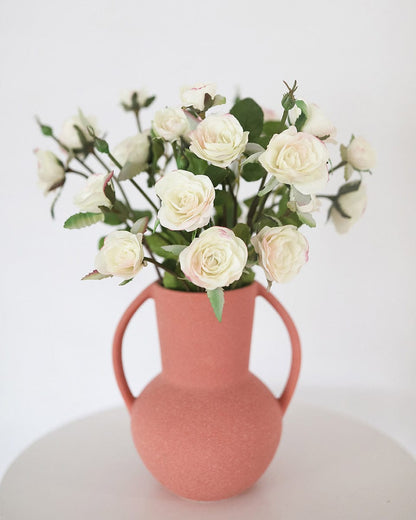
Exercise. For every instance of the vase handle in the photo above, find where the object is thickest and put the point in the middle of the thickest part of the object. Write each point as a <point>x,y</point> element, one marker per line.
<point>118,345</point>
<point>287,393</point>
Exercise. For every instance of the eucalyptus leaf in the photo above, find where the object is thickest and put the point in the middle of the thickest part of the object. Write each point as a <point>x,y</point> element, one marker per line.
<point>216,297</point>
<point>81,220</point>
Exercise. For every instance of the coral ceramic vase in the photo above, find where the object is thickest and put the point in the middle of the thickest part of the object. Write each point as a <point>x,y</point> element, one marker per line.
<point>206,427</point>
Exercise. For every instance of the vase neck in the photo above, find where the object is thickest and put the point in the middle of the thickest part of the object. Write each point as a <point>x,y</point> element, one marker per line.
<point>196,349</point>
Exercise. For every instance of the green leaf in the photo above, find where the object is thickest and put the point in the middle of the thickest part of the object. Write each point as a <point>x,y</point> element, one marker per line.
<point>196,165</point>
<point>216,174</point>
<point>101,145</point>
<point>307,218</point>
<point>174,249</point>
<point>141,213</point>
<point>349,187</point>
<point>128,171</point>
<point>95,275</point>
<point>224,205</point>
<point>81,220</point>
<point>157,149</point>
<point>273,127</point>
<point>216,297</point>
<point>301,120</point>
<point>112,219</point>
<point>100,242</point>
<point>242,231</point>
<point>140,225</point>
<point>124,282</point>
<point>149,101</point>
<point>270,185</point>
<point>46,130</point>
<point>250,115</point>
<point>253,172</point>
<point>246,279</point>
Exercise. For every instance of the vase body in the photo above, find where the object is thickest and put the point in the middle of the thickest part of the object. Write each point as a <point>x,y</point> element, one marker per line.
<point>205,427</point>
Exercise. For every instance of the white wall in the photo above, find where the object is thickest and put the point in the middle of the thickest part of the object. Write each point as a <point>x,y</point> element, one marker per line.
<point>354,302</point>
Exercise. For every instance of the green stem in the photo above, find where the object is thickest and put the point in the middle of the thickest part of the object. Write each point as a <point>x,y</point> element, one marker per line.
<point>161,266</point>
<point>61,144</point>
<point>339,165</point>
<point>253,205</point>
<point>137,116</point>
<point>146,245</point>
<point>235,203</point>
<point>123,193</point>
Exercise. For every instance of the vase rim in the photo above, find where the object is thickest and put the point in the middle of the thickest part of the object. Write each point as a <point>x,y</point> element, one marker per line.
<point>160,287</point>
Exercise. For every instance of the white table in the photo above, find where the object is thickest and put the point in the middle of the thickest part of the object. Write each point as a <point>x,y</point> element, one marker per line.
<point>328,466</point>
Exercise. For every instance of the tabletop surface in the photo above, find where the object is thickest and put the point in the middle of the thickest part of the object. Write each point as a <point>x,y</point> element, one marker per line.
<point>328,466</point>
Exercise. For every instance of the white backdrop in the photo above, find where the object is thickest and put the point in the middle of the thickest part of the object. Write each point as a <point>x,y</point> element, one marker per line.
<point>353,302</point>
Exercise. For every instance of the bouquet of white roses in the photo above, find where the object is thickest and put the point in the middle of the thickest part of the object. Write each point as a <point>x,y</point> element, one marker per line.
<point>188,169</point>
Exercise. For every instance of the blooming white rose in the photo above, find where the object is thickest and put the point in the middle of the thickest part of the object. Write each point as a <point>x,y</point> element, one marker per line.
<point>352,204</point>
<point>360,154</point>
<point>219,139</point>
<point>171,123</point>
<point>215,259</point>
<point>316,122</point>
<point>127,96</point>
<point>297,158</point>
<point>195,96</point>
<point>121,255</point>
<point>282,251</point>
<point>69,135</point>
<point>92,195</point>
<point>51,173</point>
<point>134,150</point>
<point>187,200</point>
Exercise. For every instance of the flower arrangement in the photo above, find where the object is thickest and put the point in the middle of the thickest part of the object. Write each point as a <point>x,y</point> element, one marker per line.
<point>196,231</point>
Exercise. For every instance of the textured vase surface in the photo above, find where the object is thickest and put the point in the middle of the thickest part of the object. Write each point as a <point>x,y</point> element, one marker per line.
<point>206,427</point>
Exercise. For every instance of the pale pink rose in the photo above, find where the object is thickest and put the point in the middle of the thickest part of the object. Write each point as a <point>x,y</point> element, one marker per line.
<point>215,259</point>
<point>121,255</point>
<point>282,251</point>
<point>187,200</point>
<point>297,158</point>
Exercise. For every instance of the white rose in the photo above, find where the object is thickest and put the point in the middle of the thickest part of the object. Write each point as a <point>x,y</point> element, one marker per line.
<point>360,154</point>
<point>171,123</point>
<point>135,150</point>
<point>121,255</point>
<point>92,195</point>
<point>297,158</point>
<point>187,200</point>
<point>282,252</point>
<point>69,135</point>
<point>219,139</point>
<point>126,97</point>
<point>215,259</point>
<point>316,122</point>
<point>195,96</point>
<point>352,204</point>
<point>51,173</point>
